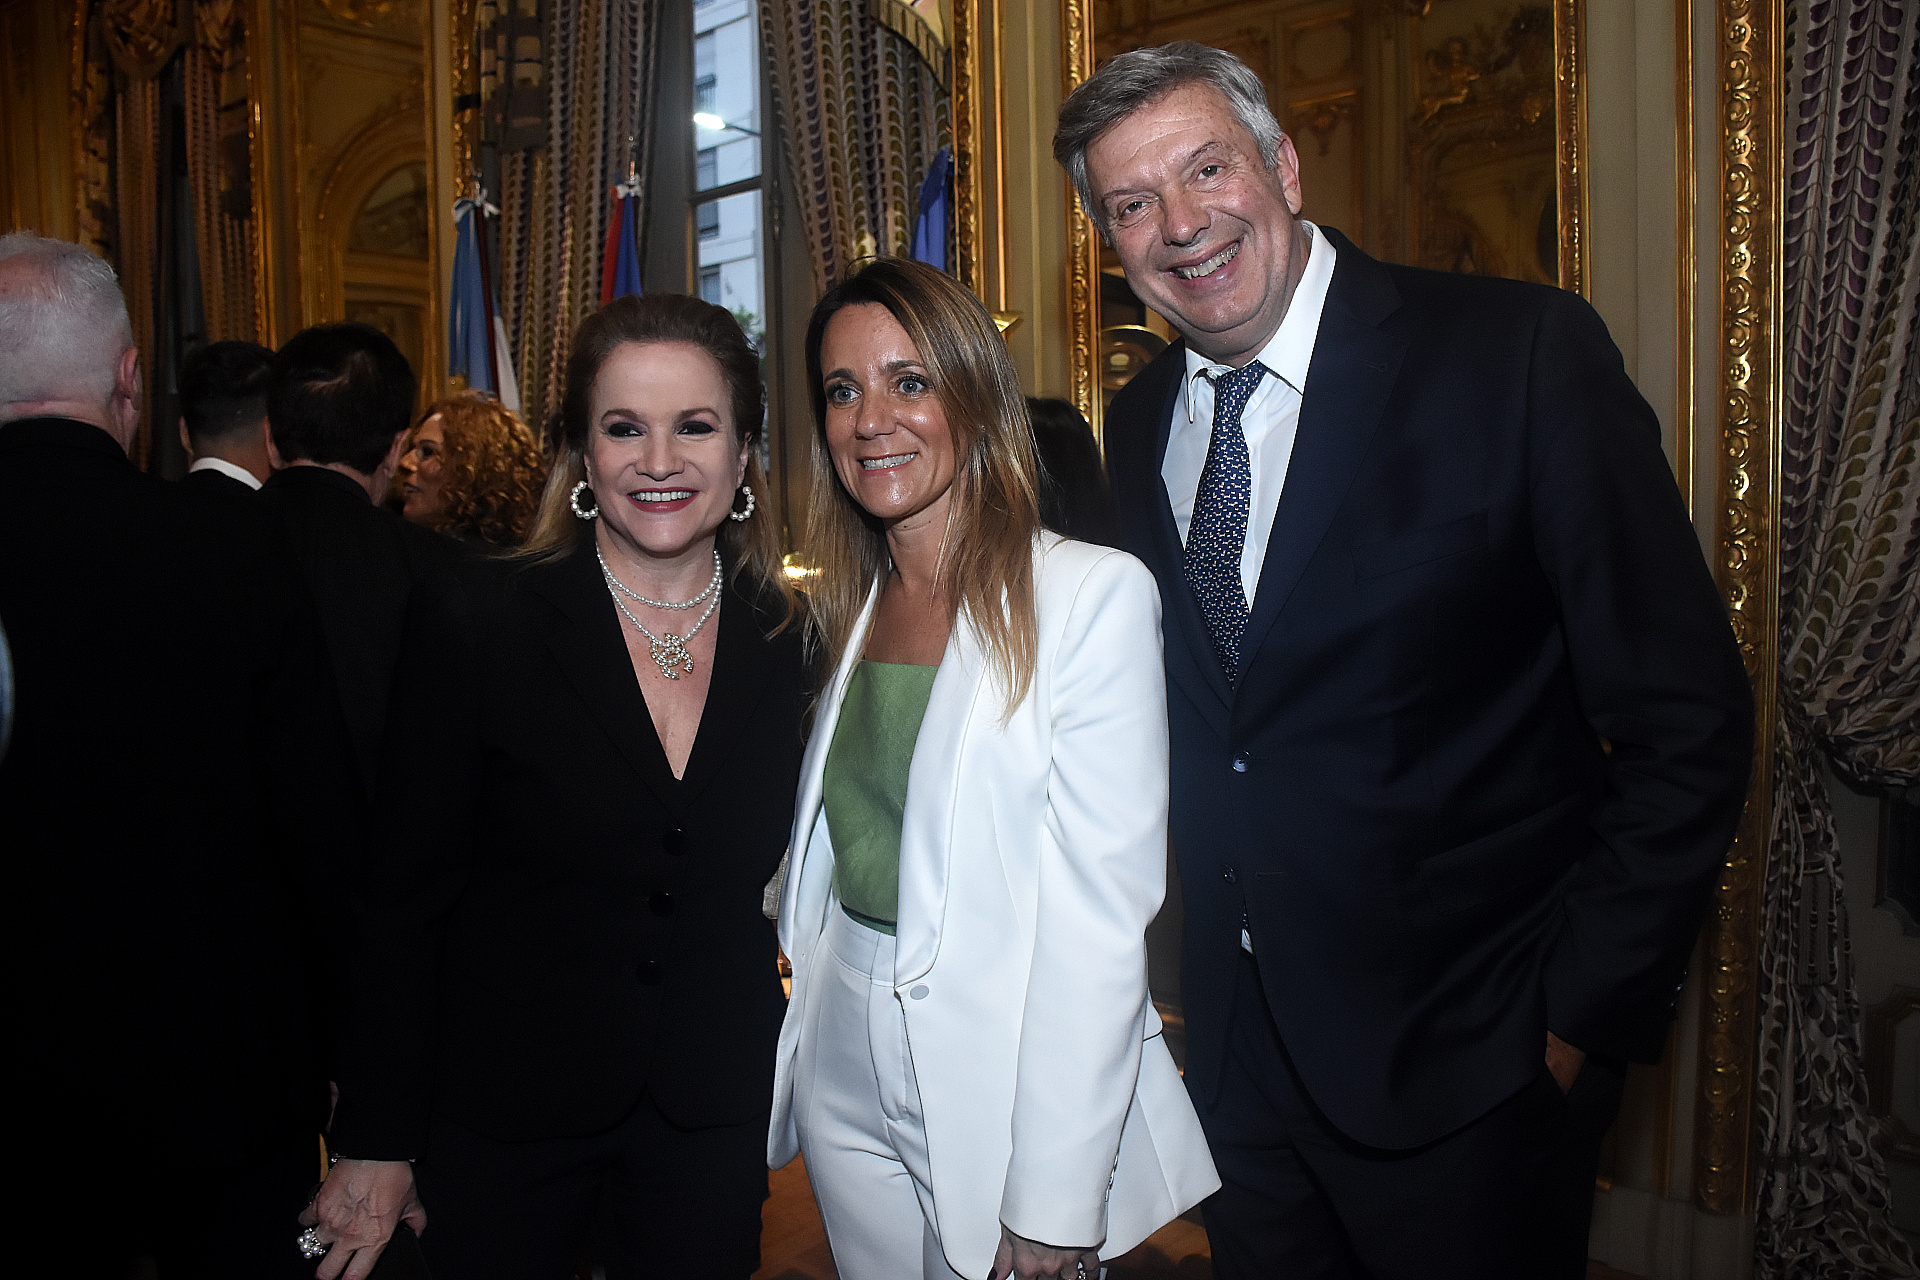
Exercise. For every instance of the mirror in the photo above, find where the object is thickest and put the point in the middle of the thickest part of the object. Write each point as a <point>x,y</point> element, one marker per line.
<point>1441,133</point>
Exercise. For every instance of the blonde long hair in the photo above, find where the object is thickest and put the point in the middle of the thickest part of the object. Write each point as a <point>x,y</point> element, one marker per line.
<point>986,556</point>
<point>750,547</point>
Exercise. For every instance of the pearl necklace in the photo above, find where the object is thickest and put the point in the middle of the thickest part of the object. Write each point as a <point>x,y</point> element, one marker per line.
<point>713,585</point>
<point>669,650</point>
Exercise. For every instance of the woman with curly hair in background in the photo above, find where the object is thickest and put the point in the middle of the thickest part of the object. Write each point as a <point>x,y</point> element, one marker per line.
<point>472,470</point>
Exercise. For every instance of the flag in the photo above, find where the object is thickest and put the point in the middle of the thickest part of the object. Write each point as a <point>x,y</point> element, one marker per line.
<point>620,263</point>
<point>477,348</point>
<point>931,231</point>
<point>469,315</point>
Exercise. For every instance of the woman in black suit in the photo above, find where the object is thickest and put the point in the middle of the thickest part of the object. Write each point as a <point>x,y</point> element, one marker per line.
<point>564,998</point>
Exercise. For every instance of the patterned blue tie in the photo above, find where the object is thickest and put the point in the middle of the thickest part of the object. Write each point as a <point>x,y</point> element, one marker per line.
<point>1218,531</point>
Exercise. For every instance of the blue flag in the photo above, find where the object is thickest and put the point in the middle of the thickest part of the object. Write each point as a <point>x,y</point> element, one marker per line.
<point>931,231</point>
<point>469,317</point>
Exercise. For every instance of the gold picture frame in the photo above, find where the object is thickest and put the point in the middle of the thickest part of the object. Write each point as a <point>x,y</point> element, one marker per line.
<point>1748,69</point>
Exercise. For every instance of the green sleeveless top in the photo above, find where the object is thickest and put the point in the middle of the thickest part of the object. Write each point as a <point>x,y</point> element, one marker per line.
<point>864,788</point>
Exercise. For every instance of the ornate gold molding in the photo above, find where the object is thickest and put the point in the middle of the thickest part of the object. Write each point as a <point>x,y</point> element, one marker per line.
<point>1570,140</point>
<point>1686,186</point>
<point>389,142</point>
<point>86,116</point>
<point>273,125</point>
<point>1747,569</point>
<point>466,85</point>
<point>966,145</point>
<point>1083,242</point>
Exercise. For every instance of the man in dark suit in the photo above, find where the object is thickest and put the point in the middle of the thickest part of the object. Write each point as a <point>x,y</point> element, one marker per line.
<point>339,402</point>
<point>162,812</point>
<point>1460,733</point>
<point>223,417</point>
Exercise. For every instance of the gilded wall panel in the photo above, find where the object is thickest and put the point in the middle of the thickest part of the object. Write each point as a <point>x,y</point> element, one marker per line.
<point>355,112</point>
<point>1319,48</point>
<point>1427,131</point>
<point>36,154</point>
<point>398,20</point>
<point>1326,137</point>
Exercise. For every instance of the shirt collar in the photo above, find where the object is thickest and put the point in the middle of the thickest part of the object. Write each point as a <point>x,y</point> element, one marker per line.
<point>227,469</point>
<point>1289,353</point>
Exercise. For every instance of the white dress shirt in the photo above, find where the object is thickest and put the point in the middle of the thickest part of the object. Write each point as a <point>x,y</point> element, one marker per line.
<point>1271,418</point>
<point>252,481</point>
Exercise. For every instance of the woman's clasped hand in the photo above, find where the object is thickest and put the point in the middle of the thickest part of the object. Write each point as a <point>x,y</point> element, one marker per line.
<point>369,1201</point>
<point>1019,1258</point>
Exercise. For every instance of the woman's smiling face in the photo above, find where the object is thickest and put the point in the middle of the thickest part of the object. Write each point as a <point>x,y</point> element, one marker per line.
<point>663,455</point>
<point>886,429</point>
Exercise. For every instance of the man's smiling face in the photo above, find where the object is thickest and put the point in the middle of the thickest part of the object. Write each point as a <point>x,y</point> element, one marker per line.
<point>1210,236</point>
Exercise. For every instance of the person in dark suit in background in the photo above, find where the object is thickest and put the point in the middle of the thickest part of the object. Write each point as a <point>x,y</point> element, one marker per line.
<point>223,417</point>
<point>1074,497</point>
<point>339,402</point>
<point>164,804</point>
<point>564,999</point>
<point>1460,733</point>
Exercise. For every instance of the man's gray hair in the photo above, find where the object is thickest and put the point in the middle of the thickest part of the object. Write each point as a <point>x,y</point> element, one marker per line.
<point>63,322</point>
<point>1143,76</point>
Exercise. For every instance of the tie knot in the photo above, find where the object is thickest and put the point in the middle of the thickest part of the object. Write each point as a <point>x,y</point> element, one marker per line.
<point>1236,387</point>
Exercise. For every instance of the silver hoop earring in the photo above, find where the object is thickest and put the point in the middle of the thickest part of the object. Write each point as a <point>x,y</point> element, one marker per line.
<point>574,502</point>
<point>742,515</point>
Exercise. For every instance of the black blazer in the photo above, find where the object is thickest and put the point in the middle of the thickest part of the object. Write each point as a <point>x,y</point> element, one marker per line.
<point>554,922</point>
<point>363,566</point>
<point>170,790</point>
<point>1491,733</point>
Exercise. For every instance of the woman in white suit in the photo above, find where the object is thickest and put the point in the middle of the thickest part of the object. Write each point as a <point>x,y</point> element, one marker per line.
<point>970,1063</point>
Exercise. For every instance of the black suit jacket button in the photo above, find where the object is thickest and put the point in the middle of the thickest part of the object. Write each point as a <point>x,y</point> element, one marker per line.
<point>1239,764</point>
<point>1229,877</point>
<point>648,972</point>
<point>661,903</point>
<point>674,839</point>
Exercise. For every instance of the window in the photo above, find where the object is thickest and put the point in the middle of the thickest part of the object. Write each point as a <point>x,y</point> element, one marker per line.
<point>710,231</point>
<point>731,234</point>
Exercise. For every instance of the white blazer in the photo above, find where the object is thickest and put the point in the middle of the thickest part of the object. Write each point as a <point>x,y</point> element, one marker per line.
<point>1032,858</point>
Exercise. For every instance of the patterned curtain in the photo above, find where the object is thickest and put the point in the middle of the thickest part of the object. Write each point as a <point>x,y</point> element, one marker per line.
<point>597,61</point>
<point>128,44</point>
<point>1849,680</point>
<point>865,111</point>
<point>219,168</point>
<point>124,48</point>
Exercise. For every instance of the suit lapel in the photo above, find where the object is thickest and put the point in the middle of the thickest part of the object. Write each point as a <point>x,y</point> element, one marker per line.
<point>1199,675</point>
<point>933,792</point>
<point>732,693</point>
<point>583,635</point>
<point>1355,363</point>
<point>933,785</point>
<point>803,898</point>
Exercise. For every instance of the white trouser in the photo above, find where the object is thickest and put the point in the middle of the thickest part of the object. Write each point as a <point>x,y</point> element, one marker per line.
<point>857,1109</point>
